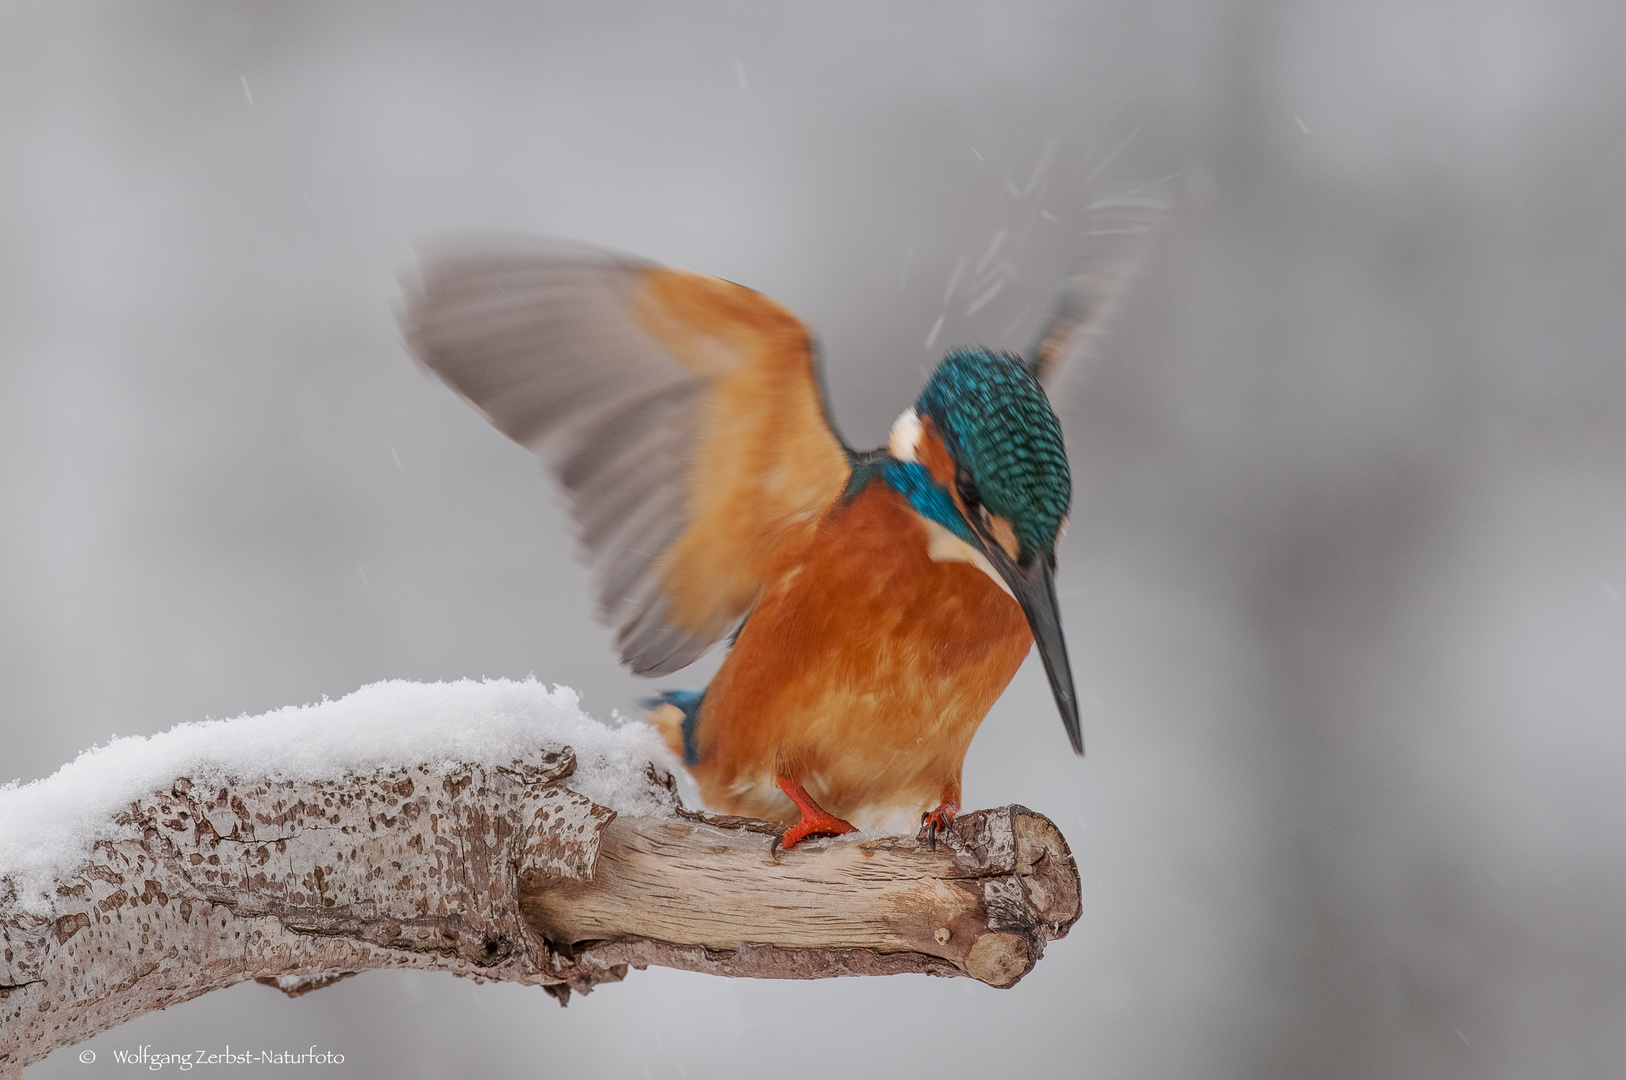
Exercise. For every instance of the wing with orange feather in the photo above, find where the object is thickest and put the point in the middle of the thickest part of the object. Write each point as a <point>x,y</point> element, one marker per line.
<point>683,415</point>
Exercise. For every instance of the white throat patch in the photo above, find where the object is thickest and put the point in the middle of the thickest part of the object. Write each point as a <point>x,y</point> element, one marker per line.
<point>905,436</point>
<point>944,546</point>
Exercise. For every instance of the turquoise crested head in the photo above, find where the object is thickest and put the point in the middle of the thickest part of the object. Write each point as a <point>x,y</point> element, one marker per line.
<point>997,424</point>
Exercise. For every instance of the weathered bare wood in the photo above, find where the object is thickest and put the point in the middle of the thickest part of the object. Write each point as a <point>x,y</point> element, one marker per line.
<point>500,873</point>
<point>695,895</point>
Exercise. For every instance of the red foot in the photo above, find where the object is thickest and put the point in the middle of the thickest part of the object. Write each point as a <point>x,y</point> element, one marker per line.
<point>823,825</point>
<point>815,821</point>
<point>939,820</point>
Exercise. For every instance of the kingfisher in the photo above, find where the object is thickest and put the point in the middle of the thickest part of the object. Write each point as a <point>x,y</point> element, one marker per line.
<point>876,603</point>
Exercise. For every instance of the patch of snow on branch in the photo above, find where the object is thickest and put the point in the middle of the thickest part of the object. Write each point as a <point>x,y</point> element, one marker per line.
<point>47,827</point>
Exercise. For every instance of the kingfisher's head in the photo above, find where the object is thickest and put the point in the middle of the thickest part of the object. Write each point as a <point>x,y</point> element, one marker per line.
<point>981,455</point>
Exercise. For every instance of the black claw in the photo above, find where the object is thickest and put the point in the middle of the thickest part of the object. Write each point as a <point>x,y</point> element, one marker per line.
<point>773,848</point>
<point>931,835</point>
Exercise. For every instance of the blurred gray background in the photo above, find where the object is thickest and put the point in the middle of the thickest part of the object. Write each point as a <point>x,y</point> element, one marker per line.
<point>1344,581</point>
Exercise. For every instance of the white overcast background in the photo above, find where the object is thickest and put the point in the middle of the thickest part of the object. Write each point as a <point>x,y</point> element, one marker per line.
<point>1345,587</point>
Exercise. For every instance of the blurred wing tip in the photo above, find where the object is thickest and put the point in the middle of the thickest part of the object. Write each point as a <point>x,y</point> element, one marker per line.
<point>495,243</point>
<point>448,267</point>
<point>1118,236</point>
<point>671,651</point>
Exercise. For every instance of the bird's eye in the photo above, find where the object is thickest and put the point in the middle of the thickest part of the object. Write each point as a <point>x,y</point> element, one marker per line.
<point>967,490</point>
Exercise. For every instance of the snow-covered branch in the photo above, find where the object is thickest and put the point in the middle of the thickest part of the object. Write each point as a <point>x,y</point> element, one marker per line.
<point>486,829</point>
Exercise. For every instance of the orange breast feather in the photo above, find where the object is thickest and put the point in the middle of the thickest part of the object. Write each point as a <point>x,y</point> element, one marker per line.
<point>864,671</point>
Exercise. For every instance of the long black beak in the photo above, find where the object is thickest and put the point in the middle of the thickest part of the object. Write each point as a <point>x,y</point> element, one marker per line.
<point>1035,590</point>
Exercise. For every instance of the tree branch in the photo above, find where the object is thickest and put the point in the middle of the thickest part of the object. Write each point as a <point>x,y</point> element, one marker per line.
<point>502,873</point>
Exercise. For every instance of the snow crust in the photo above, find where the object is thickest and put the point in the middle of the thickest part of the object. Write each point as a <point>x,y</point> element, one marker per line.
<point>47,827</point>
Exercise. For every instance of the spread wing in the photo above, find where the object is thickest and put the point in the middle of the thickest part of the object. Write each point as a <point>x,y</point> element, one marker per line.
<point>1118,236</point>
<point>683,415</point>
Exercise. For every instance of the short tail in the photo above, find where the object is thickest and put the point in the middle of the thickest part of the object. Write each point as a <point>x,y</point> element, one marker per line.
<point>676,715</point>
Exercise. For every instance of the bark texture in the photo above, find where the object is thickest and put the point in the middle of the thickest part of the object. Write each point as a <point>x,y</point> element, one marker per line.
<point>501,873</point>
